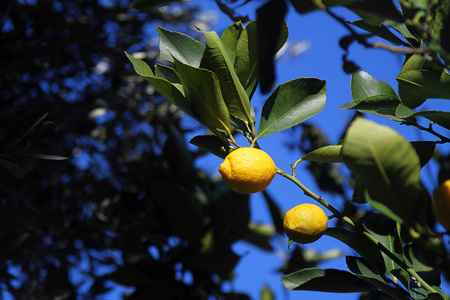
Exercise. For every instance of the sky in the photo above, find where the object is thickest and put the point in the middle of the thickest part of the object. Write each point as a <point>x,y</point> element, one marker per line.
<point>322,58</point>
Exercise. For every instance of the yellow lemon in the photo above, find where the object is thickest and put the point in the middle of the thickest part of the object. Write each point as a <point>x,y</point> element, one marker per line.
<point>305,223</point>
<point>248,170</point>
<point>441,204</point>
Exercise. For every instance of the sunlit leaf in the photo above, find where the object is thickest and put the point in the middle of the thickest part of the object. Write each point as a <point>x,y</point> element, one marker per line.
<point>328,154</point>
<point>177,45</point>
<point>246,64</point>
<point>290,104</point>
<point>420,79</point>
<point>387,165</point>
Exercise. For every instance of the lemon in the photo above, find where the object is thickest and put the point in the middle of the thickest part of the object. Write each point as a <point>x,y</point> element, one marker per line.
<point>248,170</point>
<point>441,204</point>
<point>305,223</point>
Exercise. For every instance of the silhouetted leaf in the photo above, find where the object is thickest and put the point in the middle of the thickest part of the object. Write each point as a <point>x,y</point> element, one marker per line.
<point>326,280</point>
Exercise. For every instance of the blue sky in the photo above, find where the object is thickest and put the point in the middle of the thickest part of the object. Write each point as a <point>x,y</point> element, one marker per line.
<point>323,59</point>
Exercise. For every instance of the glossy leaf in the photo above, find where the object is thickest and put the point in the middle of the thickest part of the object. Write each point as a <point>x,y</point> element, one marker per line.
<point>361,244</point>
<point>326,280</point>
<point>174,93</point>
<point>361,268</point>
<point>202,89</point>
<point>177,45</point>
<point>420,80</point>
<point>441,118</point>
<point>217,60</point>
<point>386,232</point>
<point>290,104</point>
<point>387,165</point>
<point>369,93</point>
<point>327,154</point>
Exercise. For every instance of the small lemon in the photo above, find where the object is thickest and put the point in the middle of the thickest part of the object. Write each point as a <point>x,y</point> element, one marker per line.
<point>248,170</point>
<point>441,204</point>
<point>305,223</point>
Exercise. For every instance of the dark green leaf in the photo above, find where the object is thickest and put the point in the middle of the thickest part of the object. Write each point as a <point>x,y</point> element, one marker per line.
<point>174,93</point>
<point>203,90</point>
<point>180,46</point>
<point>441,118</point>
<point>375,12</point>
<point>290,104</point>
<point>217,60</point>
<point>387,165</point>
<point>386,232</point>
<point>420,79</point>
<point>326,280</point>
<point>380,30</point>
<point>212,144</point>
<point>246,63</point>
<point>361,268</point>
<point>361,244</point>
<point>365,86</point>
<point>230,38</point>
<point>425,151</point>
<point>327,154</point>
<point>167,73</point>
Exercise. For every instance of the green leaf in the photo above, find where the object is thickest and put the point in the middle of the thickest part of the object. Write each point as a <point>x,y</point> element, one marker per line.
<point>172,92</point>
<point>387,165</point>
<point>374,12</point>
<point>217,60</point>
<point>212,144</point>
<point>401,28</point>
<point>326,280</point>
<point>246,64</point>
<point>386,232</point>
<point>367,92</point>
<point>441,118</point>
<point>203,91</point>
<point>230,38</point>
<point>425,151</point>
<point>167,73</point>
<point>380,30</point>
<point>290,104</point>
<point>361,268</point>
<point>420,79</point>
<point>177,45</point>
<point>327,154</point>
<point>361,244</point>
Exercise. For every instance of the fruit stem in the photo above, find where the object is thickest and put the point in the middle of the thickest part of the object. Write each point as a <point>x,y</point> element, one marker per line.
<point>347,220</point>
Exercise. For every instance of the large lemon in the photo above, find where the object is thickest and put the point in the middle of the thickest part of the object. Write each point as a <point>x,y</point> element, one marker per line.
<point>248,170</point>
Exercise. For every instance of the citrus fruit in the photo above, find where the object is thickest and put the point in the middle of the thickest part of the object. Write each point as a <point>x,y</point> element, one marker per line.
<point>441,204</point>
<point>305,223</point>
<point>248,170</point>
